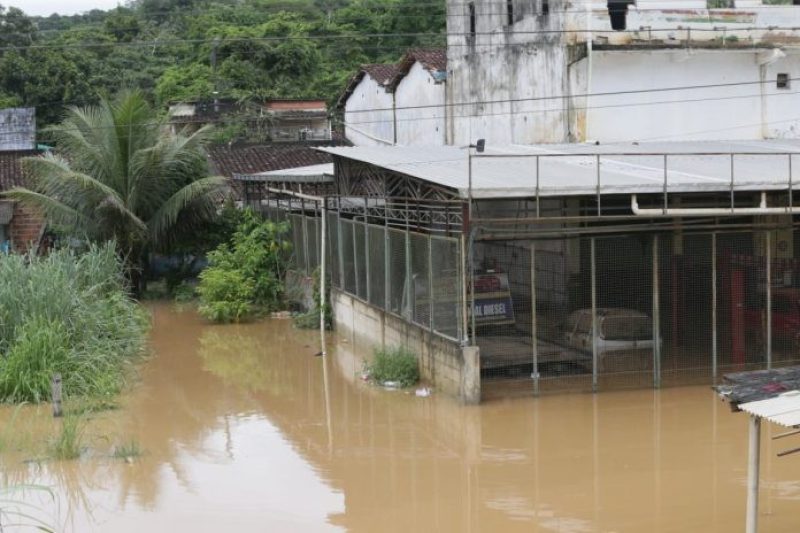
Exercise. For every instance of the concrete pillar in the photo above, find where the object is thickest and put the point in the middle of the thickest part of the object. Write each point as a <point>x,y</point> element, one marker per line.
<point>471,375</point>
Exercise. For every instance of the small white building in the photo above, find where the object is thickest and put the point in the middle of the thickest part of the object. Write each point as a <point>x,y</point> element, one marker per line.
<point>534,71</point>
<point>368,106</point>
<point>420,92</point>
<point>402,104</point>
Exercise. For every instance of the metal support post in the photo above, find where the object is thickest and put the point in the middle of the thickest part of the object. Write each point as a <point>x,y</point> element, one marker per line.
<point>597,162</point>
<point>656,319</point>
<point>356,259</point>
<point>322,272</point>
<point>714,356</point>
<point>387,280</point>
<point>409,285</point>
<point>753,463</point>
<point>305,235</point>
<point>340,244</point>
<point>430,282</point>
<point>367,261</point>
<point>768,335</point>
<point>534,335</point>
<point>463,278</point>
<point>593,259</point>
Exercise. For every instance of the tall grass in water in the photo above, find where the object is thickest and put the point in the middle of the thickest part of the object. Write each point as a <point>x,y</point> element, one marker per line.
<point>67,313</point>
<point>68,444</point>
<point>17,514</point>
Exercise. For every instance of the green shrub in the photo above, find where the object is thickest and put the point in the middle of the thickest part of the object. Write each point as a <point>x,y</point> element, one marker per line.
<point>246,276</point>
<point>226,295</point>
<point>184,292</point>
<point>66,313</point>
<point>394,364</point>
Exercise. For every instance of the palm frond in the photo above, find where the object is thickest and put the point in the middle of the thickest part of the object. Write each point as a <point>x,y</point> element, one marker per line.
<point>204,195</point>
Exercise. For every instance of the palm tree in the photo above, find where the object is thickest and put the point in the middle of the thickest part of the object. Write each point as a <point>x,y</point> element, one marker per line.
<point>121,175</point>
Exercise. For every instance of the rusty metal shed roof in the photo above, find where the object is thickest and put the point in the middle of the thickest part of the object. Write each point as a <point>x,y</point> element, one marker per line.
<point>572,169</point>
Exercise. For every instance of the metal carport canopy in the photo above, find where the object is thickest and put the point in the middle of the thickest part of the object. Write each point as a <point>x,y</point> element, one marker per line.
<point>510,171</point>
<point>322,173</point>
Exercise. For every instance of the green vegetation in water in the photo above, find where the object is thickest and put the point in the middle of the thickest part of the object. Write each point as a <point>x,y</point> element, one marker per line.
<point>68,444</point>
<point>127,450</point>
<point>310,319</point>
<point>246,276</point>
<point>395,364</point>
<point>20,515</point>
<point>66,313</point>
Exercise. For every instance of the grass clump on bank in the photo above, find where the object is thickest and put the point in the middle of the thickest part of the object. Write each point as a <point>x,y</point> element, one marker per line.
<point>66,313</point>
<point>396,365</point>
<point>245,276</point>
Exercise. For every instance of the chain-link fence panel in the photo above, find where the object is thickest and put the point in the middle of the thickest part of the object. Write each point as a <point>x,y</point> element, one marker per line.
<point>420,280</point>
<point>348,255</point>
<point>398,280</point>
<point>313,228</point>
<point>742,301</point>
<point>377,265</point>
<point>686,296</point>
<point>332,229</point>
<point>623,343</point>
<point>447,288</point>
<point>298,242</point>
<point>360,247</point>
<point>785,296</point>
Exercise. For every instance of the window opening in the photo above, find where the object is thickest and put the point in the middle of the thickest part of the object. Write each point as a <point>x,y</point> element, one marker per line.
<point>783,80</point>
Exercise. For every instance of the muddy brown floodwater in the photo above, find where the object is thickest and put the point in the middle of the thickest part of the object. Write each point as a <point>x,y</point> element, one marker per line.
<point>242,428</point>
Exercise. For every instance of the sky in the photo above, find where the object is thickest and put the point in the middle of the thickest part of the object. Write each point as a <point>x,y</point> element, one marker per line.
<point>62,7</point>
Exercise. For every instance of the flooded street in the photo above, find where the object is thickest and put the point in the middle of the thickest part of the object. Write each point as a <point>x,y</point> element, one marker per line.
<point>242,428</point>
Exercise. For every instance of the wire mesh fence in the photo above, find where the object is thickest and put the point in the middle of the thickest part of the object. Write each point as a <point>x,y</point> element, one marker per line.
<point>598,313</point>
<point>376,246</point>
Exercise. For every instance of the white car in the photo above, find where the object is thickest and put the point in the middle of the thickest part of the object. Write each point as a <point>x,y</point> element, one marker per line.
<point>624,338</point>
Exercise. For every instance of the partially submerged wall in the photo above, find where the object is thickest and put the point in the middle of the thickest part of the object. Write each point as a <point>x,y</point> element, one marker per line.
<point>451,368</point>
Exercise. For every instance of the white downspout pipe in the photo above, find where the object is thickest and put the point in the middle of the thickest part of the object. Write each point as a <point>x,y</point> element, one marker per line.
<point>753,463</point>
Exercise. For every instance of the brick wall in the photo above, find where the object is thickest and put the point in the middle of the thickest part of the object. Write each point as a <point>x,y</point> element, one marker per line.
<point>25,228</point>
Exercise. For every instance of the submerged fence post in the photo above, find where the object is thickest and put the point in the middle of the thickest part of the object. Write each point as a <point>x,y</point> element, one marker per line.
<point>56,395</point>
<point>339,243</point>
<point>593,259</point>
<point>534,335</point>
<point>768,258</point>
<point>753,464</point>
<point>656,319</point>
<point>367,262</point>
<point>714,361</point>
<point>323,260</point>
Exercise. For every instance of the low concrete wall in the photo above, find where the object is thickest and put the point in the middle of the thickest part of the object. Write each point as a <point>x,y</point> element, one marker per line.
<point>451,368</point>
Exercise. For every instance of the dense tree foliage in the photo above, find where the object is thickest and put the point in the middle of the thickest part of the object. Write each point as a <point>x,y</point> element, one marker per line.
<point>192,49</point>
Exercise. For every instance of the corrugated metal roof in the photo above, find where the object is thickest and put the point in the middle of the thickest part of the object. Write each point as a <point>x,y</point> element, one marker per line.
<point>571,169</point>
<point>783,410</point>
<point>310,174</point>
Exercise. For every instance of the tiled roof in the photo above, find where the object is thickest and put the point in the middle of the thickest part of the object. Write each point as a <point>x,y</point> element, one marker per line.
<point>11,168</point>
<point>382,73</point>
<point>252,158</point>
<point>432,59</point>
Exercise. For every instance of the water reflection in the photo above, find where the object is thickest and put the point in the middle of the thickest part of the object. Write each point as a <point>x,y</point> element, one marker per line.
<point>245,429</point>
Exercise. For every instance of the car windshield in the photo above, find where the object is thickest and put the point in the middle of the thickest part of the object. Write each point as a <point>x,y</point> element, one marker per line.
<point>627,328</point>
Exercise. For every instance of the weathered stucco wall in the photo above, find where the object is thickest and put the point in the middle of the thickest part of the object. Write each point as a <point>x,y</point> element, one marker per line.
<point>511,76</point>
<point>369,115</point>
<point>420,109</point>
<point>451,369</point>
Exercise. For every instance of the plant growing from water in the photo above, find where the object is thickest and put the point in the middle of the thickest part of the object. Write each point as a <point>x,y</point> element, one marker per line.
<point>68,444</point>
<point>21,515</point>
<point>246,276</point>
<point>394,364</point>
<point>127,450</point>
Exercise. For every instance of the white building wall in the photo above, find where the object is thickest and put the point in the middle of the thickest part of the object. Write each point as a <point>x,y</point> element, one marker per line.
<point>368,115</point>
<point>420,109</point>
<point>747,111</point>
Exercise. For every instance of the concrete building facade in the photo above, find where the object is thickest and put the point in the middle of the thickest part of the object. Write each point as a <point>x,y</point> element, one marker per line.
<point>529,72</point>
